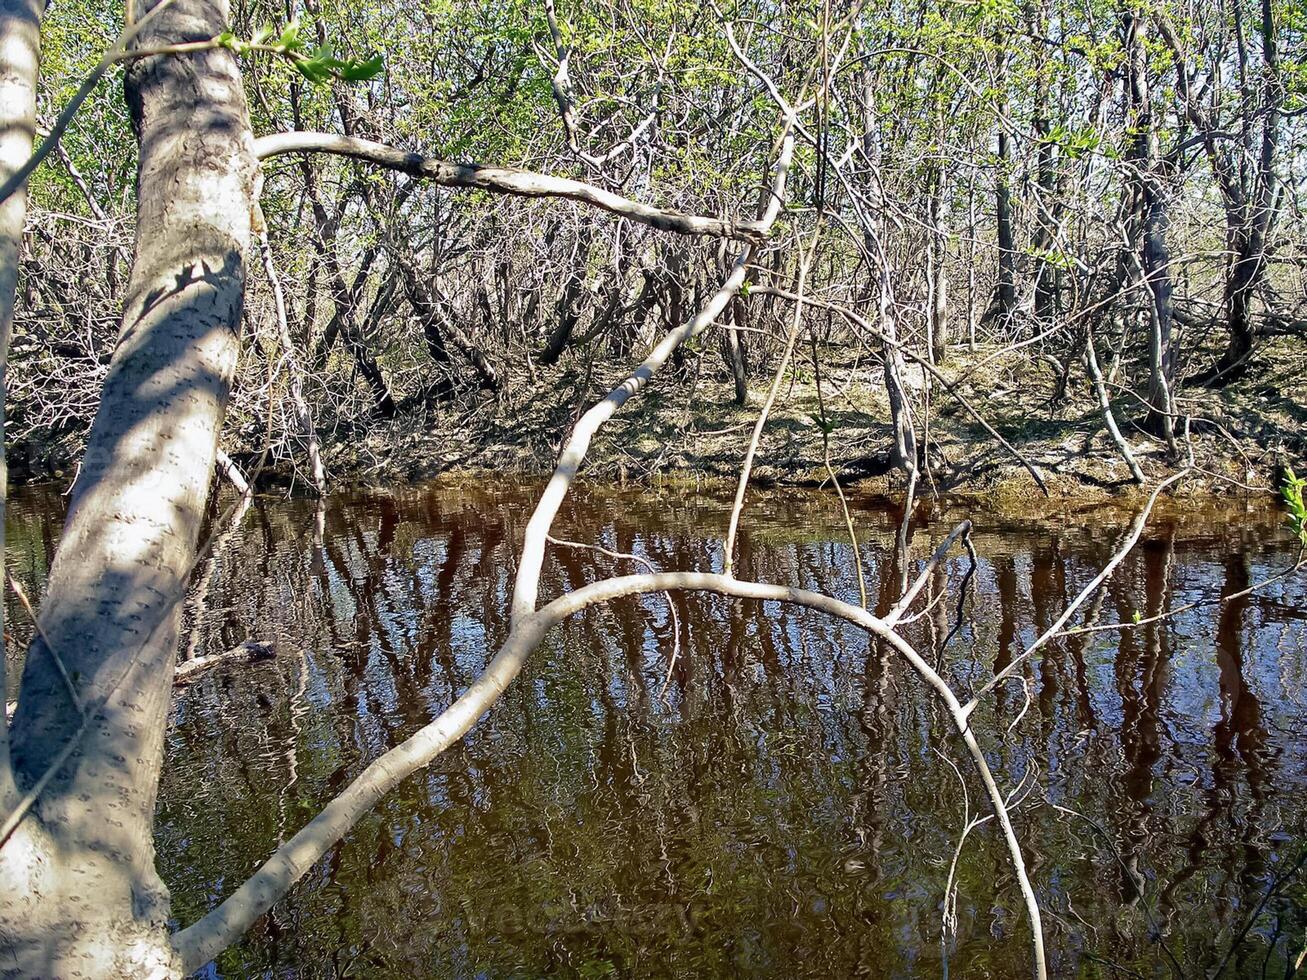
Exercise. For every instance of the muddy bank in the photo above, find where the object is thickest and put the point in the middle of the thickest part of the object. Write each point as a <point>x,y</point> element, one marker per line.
<point>691,430</point>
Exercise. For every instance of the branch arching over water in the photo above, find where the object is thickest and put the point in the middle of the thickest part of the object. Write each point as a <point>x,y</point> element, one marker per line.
<point>527,583</point>
<point>199,943</point>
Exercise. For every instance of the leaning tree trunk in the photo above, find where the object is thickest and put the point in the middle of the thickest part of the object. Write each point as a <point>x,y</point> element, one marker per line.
<point>570,303</point>
<point>79,895</point>
<point>1247,264</point>
<point>439,328</point>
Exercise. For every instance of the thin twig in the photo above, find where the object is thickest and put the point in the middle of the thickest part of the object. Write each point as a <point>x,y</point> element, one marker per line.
<point>746,468</point>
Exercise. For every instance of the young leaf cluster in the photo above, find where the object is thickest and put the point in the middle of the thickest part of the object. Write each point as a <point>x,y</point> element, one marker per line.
<point>319,64</point>
<point>1292,492</point>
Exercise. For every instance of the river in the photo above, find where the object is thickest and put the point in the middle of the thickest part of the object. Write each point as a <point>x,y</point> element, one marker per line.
<point>742,789</point>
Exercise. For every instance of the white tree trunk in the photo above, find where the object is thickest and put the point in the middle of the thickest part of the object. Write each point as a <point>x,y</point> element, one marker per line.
<point>78,891</point>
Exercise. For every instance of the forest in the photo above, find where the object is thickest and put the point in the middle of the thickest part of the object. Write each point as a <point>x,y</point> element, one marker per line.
<point>879,290</point>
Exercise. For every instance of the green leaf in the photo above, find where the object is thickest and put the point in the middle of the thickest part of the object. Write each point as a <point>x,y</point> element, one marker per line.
<point>824,424</point>
<point>1292,492</point>
<point>314,71</point>
<point>363,71</point>
<point>290,37</point>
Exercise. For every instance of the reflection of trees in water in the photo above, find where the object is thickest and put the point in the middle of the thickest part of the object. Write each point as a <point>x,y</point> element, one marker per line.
<point>779,804</point>
<point>1140,681</point>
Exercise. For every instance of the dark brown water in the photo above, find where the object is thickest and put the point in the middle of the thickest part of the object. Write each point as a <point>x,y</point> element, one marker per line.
<point>781,809</point>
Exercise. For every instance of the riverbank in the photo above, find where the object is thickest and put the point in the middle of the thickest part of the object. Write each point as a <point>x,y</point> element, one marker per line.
<point>688,428</point>
<point>1240,437</point>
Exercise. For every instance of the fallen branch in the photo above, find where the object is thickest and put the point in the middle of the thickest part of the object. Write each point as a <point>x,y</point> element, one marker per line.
<point>1105,407</point>
<point>900,607</point>
<point>249,652</point>
<point>231,472</point>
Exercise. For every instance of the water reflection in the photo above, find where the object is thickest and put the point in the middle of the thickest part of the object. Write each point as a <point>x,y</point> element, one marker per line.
<point>768,803</point>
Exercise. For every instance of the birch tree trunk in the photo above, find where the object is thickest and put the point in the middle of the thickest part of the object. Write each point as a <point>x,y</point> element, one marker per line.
<point>79,895</point>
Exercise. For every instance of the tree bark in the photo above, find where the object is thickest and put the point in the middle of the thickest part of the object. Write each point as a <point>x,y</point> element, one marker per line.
<point>20,48</point>
<point>736,355</point>
<point>1154,253</point>
<point>79,894</point>
<point>1006,293</point>
<point>900,410</point>
<point>937,271</point>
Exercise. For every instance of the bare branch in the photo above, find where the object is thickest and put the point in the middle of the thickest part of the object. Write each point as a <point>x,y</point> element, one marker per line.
<point>1104,574</point>
<point>199,943</point>
<point>527,584</point>
<point>506,180</point>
